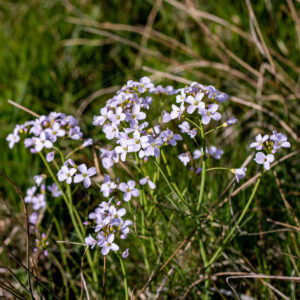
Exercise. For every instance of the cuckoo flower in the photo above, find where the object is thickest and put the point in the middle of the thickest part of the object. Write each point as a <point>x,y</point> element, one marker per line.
<point>85,175</point>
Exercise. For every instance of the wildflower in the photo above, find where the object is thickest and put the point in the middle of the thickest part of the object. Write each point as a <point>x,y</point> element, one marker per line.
<point>125,253</point>
<point>261,158</point>
<point>30,194</point>
<point>75,133</point>
<point>177,111</point>
<point>109,245</point>
<point>215,152</point>
<point>170,138</point>
<point>125,228</point>
<point>210,113</point>
<point>38,179</point>
<point>86,143</point>
<point>185,128</point>
<point>108,186</point>
<point>54,190</point>
<point>90,241</point>
<point>239,173</point>
<point>66,174</point>
<point>50,156</point>
<point>12,138</point>
<point>198,153</point>
<point>280,140</point>
<point>54,132</point>
<point>230,121</point>
<point>129,190</point>
<point>42,142</point>
<point>122,150</point>
<point>85,175</point>
<point>166,117</point>
<point>258,145</point>
<point>184,158</point>
<point>146,180</point>
<point>38,201</point>
<point>153,148</point>
<point>195,103</point>
<point>181,98</point>
<point>33,218</point>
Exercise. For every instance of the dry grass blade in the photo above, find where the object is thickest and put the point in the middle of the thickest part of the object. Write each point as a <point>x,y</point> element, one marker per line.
<point>296,20</point>
<point>147,31</point>
<point>83,282</point>
<point>87,101</point>
<point>23,108</point>
<point>266,111</point>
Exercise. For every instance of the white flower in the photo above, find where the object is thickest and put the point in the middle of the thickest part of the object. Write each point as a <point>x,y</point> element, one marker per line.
<point>146,180</point>
<point>258,145</point>
<point>129,190</point>
<point>261,158</point>
<point>85,175</point>
<point>239,173</point>
<point>66,174</point>
<point>109,245</point>
<point>184,158</point>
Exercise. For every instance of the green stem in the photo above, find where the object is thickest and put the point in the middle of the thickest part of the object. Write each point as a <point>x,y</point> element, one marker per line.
<point>203,171</point>
<point>218,168</point>
<point>231,232</point>
<point>125,277</point>
<point>70,208</point>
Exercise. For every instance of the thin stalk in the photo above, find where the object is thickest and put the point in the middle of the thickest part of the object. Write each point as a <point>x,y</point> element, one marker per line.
<point>218,168</point>
<point>203,171</point>
<point>125,278</point>
<point>231,232</point>
<point>70,208</point>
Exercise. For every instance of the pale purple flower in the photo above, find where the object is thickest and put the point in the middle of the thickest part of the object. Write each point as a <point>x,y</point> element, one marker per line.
<point>54,190</point>
<point>210,113</point>
<point>195,103</point>
<point>170,138</point>
<point>38,201</point>
<point>181,98</point>
<point>90,241</point>
<point>166,117</point>
<point>111,131</point>
<point>66,174</point>
<point>280,140</point>
<point>109,245</point>
<point>108,186</point>
<point>198,153</point>
<point>261,158</point>
<point>117,117</point>
<point>123,149</point>
<point>85,175</point>
<point>12,139</point>
<point>86,143</point>
<point>230,121</point>
<point>50,156</point>
<point>184,158</point>
<point>185,128</point>
<point>177,111</point>
<point>129,190</point>
<point>75,133</point>
<point>239,173</point>
<point>153,148</point>
<point>30,194</point>
<point>125,228</point>
<point>125,253</point>
<point>33,218</point>
<point>146,180</point>
<point>258,145</point>
<point>54,132</point>
<point>38,179</point>
<point>136,115</point>
<point>42,142</point>
<point>214,152</point>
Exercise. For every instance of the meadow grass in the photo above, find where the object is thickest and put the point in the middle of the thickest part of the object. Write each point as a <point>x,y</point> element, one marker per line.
<point>71,57</point>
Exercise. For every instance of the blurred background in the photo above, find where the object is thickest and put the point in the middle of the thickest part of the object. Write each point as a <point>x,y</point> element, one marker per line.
<point>70,56</point>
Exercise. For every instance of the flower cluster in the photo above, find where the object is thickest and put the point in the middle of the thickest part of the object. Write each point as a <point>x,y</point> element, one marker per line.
<point>196,98</point>
<point>41,244</point>
<point>43,132</point>
<point>123,119</point>
<point>110,226</point>
<point>268,146</point>
<point>38,199</point>
<point>71,172</point>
